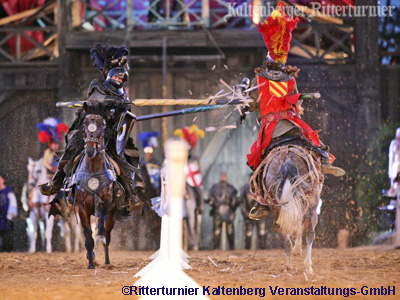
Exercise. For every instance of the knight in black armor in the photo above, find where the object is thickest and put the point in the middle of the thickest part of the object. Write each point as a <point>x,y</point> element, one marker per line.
<point>223,201</point>
<point>110,95</point>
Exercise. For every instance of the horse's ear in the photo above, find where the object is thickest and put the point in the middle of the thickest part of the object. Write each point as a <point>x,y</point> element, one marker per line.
<point>85,106</point>
<point>30,160</point>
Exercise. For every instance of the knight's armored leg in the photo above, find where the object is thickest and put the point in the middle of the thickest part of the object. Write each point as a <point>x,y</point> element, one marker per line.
<point>132,157</point>
<point>55,185</point>
<point>128,176</point>
<point>199,196</point>
<point>131,196</point>
<point>217,230</point>
<point>231,235</point>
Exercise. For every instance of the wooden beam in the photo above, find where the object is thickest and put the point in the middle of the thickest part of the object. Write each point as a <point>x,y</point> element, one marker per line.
<point>229,38</point>
<point>40,52</point>
<point>205,12</point>
<point>76,13</point>
<point>25,14</point>
<point>296,50</point>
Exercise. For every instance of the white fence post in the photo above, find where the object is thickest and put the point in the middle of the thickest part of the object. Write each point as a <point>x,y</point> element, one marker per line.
<point>168,273</point>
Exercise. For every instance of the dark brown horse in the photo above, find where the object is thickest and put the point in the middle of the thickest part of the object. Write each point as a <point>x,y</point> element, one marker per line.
<point>94,180</point>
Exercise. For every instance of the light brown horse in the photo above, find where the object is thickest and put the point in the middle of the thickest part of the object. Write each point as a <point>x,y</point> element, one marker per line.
<point>290,180</point>
<point>94,181</point>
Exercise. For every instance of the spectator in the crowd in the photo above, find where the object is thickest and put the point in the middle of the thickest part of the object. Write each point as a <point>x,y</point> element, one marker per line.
<point>394,163</point>
<point>223,201</point>
<point>8,211</point>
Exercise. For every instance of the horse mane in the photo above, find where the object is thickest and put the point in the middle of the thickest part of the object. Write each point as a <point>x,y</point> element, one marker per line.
<point>94,109</point>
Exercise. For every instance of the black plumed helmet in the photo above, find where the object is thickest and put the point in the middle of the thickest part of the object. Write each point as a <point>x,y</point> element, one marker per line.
<point>104,58</point>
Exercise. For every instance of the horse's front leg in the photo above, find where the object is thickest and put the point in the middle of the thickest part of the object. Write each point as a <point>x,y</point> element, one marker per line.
<point>49,232</point>
<point>67,235</point>
<point>100,219</point>
<point>288,245</point>
<point>87,231</point>
<point>110,221</point>
<point>33,216</point>
<point>312,220</point>
<point>76,228</point>
<point>197,233</point>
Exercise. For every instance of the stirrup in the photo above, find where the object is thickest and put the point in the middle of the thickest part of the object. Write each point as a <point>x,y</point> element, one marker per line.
<point>335,171</point>
<point>259,212</point>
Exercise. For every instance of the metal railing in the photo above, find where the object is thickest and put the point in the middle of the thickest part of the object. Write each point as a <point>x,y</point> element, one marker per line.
<point>32,37</point>
<point>95,15</point>
<point>312,40</point>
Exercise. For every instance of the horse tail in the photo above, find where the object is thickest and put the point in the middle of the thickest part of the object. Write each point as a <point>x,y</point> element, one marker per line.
<point>292,199</point>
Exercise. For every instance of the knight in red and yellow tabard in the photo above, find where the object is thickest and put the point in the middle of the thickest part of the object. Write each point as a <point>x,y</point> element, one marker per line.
<point>277,97</point>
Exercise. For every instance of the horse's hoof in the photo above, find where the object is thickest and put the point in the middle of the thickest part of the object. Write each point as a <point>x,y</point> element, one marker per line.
<point>309,271</point>
<point>90,267</point>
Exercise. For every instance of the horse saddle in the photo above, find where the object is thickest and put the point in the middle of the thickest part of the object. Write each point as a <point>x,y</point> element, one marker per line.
<point>296,138</point>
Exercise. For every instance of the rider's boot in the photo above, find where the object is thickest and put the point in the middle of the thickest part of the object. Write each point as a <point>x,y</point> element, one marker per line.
<point>259,212</point>
<point>327,168</point>
<point>132,201</point>
<point>51,188</point>
<point>326,165</point>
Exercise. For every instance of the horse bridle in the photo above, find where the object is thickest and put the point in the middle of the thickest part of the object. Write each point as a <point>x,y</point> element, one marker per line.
<point>92,129</point>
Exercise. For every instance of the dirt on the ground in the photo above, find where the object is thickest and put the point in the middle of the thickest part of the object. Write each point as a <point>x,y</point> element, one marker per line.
<point>65,276</point>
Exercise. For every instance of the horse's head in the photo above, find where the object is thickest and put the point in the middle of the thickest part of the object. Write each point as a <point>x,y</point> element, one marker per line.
<point>94,128</point>
<point>36,173</point>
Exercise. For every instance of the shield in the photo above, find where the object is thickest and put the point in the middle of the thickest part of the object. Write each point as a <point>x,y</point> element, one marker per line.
<point>278,89</point>
<point>125,125</point>
<point>193,173</point>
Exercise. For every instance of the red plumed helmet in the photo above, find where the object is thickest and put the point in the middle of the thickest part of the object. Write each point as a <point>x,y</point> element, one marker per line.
<point>277,33</point>
<point>190,134</point>
<point>51,130</point>
<point>44,137</point>
<point>62,128</point>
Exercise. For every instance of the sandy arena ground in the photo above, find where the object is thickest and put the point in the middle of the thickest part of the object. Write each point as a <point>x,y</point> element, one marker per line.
<point>63,276</point>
